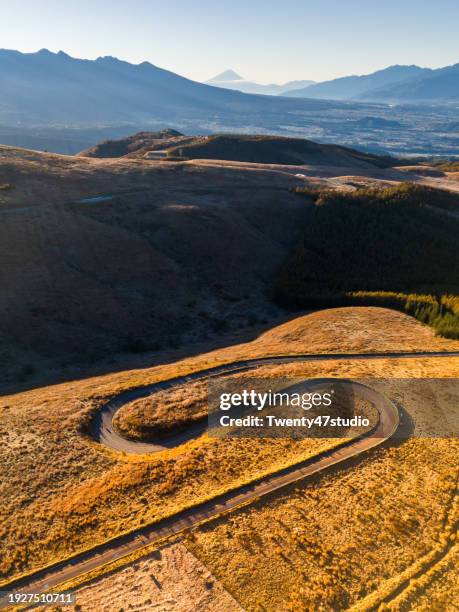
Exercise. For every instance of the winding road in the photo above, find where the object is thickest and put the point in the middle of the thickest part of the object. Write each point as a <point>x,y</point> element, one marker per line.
<point>102,430</point>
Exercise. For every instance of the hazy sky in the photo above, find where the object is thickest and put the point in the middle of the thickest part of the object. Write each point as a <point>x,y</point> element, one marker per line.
<point>263,40</point>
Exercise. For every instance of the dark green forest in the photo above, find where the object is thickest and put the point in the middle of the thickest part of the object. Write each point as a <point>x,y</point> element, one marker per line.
<point>396,247</point>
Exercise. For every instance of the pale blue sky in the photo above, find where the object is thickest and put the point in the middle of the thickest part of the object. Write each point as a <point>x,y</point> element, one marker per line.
<point>264,40</point>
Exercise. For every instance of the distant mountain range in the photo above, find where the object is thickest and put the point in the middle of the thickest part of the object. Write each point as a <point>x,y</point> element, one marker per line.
<point>352,87</point>
<point>231,80</point>
<point>441,85</point>
<point>54,88</point>
<point>395,84</point>
<point>55,102</point>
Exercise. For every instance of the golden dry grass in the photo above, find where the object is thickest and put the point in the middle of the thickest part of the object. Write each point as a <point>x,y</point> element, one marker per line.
<point>437,589</point>
<point>170,411</point>
<point>328,543</point>
<point>62,493</point>
<point>167,412</point>
<point>348,330</point>
<point>170,579</point>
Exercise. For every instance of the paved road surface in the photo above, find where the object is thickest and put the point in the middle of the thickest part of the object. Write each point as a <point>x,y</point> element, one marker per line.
<point>103,431</point>
<point>81,563</point>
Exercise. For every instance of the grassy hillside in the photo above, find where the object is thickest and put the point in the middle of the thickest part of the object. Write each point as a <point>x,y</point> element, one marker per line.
<point>71,495</point>
<point>169,254</point>
<point>161,262</point>
<point>395,247</point>
<point>450,166</point>
<point>358,532</point>
<point>236,147</point>
<point>277,150</point>
<point>145,141</point>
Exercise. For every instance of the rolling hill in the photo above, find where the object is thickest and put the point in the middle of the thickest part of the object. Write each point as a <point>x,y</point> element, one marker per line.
<point>171,254</point>
<point>238,147</point>
<point>102,256</point>
<point>277,150</point>
<point>139,143</point>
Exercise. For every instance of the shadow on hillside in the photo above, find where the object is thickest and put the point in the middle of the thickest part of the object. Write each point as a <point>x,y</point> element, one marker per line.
<point>120,362</point>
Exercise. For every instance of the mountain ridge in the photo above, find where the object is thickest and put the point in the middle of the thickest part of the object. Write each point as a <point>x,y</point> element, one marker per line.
<point>355,86</point>
<point>56,89</point>
<point>394,84</point>
<point>440,84</point>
